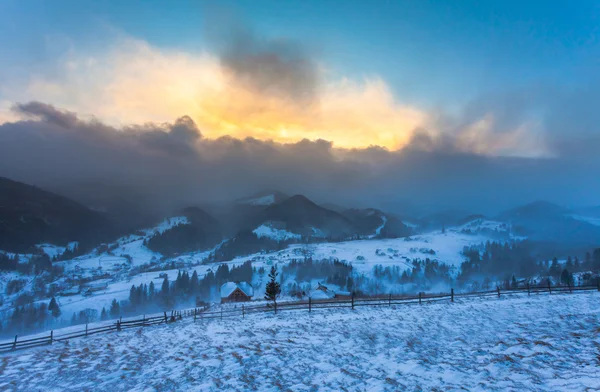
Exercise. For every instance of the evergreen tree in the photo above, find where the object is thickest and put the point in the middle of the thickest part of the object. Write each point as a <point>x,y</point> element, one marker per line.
<point>596,259</point>
<point>151,292</point>
<point>103,314</point>
<point>513,282</point>
<point>273,288</point>
<point>554,268</point>
<point>133,296</point>
<point>194,284</point>
<point>566,278</point>
<point>54,308</point>
<point>115,309</point>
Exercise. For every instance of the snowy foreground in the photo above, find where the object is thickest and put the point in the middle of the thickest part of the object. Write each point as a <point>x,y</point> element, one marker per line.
<point>542,343</point>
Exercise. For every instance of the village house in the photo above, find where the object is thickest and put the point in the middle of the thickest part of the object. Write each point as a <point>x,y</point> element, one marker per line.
<point>322,292</point>
<point>236,292</point>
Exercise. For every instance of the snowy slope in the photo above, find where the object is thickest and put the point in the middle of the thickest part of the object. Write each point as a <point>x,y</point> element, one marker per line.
<point>275,234</point>
<point>365,254</point>
<point>588,219</point>
<point>129,259</point>
<point>542,343</point>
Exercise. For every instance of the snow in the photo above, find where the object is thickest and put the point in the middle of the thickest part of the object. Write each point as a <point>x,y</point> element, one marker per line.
<point>51,250</point>
<point>588,219</point>
<point>266,200</point>
<point>378,229</point>
<point>539,343</point>
<point>230,287</point>
<point>320,294</point>
<point>275,234</point>
<point>365,254</point>
<point>410,224</point>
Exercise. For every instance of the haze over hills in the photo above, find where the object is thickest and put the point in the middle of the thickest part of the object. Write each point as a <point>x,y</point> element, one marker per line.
<point>30,216</point>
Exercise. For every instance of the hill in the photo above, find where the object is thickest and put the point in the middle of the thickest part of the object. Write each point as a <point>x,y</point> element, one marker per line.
<point>30,216</point>
<point>300,215</point>
<point>552,225</point>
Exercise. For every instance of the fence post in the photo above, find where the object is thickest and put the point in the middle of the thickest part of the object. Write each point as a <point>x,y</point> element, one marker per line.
<point>498,288</point>
<point>15,343</point>
<point>390,300</point>
<point>51,336</point>
<point>118,325</point>
<point>309,304</point>
<point>569,285</point>
<point>243,312</point>
<point>143,320</point>
<point>275,304</point>
<point>598,284</point>
<point>165,316</point>
<point>86,330</point>
<point>549,286</point>
<point>452,295</point>
<point>195,312</point>
<point>420,295</point>
<point>528,290</point>
<point>353,300</point>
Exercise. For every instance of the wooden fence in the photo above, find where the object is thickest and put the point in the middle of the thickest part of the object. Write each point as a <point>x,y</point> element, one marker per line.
<point>203,313</point>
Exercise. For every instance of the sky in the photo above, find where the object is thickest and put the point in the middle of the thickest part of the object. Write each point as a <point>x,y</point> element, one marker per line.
<point>367,86</point>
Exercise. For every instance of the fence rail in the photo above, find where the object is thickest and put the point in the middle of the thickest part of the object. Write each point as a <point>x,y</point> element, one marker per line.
<point>203,313</point>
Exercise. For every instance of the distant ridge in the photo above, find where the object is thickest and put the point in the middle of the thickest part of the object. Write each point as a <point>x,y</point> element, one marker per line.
<point>30,215</point>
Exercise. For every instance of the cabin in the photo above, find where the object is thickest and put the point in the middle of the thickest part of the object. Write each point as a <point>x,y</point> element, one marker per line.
<point>96,285</point>
<point>69,292</point>
<point>236,292</point>
<point>322,292</point>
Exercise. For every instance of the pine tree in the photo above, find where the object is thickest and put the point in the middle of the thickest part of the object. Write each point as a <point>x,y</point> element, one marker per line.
<point>164,290</point>
<point>273,288</point>
<point>115,308</point>
<point>103,315</point>
<point>554,268</point>
<point>132,296</point>
<point>566,277</point>
<point>151,292</point>
<point>194,284</point>
<point>596,259</point>
<point>54,308</point>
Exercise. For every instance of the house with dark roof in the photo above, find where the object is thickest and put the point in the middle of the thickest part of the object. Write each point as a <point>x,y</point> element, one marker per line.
<point>236,292</point>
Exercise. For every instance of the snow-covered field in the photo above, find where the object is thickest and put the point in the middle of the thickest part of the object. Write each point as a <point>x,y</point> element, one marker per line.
<point>541,343</point>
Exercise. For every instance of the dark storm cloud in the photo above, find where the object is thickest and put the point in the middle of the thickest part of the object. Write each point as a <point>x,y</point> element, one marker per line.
<point>47,113</point>
<point>282,67</point>
<point>167,166</point>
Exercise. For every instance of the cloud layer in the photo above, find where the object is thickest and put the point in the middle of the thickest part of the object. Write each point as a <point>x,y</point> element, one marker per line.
<point>170,165</point>
<point>256,87</point>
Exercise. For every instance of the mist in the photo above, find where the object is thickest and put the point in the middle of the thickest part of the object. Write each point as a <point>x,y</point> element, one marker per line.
<point>169,166</point>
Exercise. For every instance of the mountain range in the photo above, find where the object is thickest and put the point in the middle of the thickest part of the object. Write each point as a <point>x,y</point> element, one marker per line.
<point>31,216</point>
